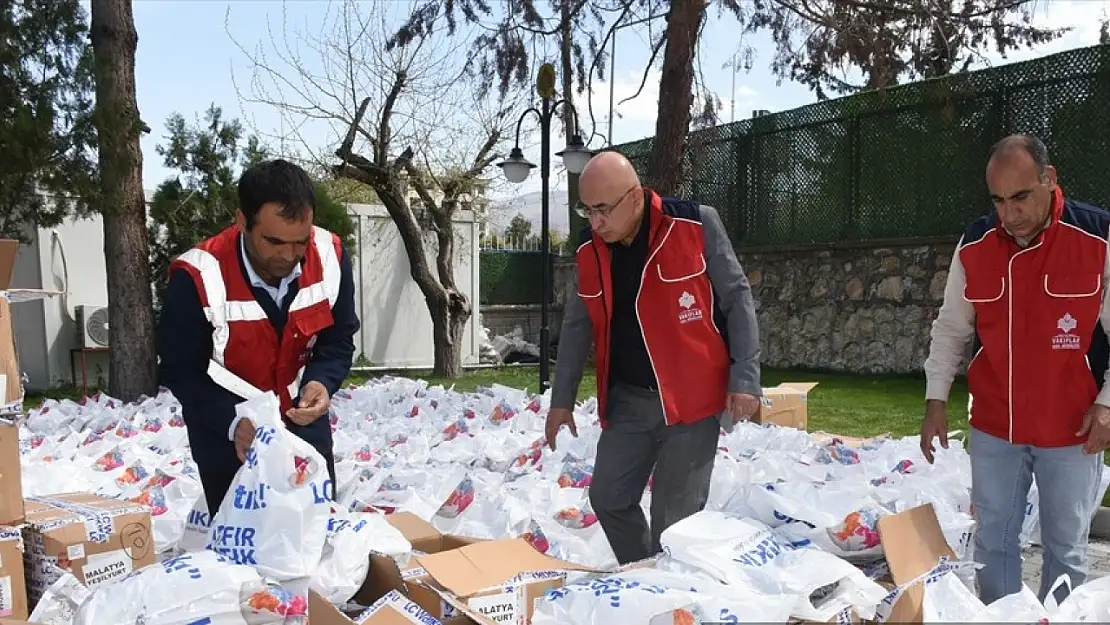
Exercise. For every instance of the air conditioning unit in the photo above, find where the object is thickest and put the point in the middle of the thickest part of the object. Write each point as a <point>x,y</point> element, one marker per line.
<point>92,326</point>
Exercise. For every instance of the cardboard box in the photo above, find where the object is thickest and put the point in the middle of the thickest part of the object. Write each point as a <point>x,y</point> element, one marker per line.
<point>95,538</point>
<point>392,609</point>
<point>786,405</point>
<point>385,575</point>
<point>13,590</point>
<point>11,476</point>
<point>11,376</point>
<point>914,544</point>
<point>496,581</point>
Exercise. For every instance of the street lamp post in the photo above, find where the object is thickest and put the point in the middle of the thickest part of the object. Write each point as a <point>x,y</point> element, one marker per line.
<point>516,169</point>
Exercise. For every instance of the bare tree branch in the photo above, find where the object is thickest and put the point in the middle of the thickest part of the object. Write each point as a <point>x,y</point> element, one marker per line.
<point>404,121</point>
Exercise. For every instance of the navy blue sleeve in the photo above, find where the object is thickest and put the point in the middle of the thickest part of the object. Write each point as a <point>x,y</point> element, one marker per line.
<point>184,342</point>
<point>335,345</point>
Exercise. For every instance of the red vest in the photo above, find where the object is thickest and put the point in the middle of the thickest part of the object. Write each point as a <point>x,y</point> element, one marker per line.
<point>243,339</point>
<point>675,308</point>
<point>1037,318</point>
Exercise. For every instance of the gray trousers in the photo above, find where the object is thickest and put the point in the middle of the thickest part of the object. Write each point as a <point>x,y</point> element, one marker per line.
<point>636,442</point>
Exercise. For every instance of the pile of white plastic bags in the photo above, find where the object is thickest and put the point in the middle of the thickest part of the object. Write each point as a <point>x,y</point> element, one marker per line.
<point>475,464</point>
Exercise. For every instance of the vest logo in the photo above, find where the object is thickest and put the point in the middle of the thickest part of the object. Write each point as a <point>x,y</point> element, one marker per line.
<point>1066,340</point>
<point>687,312</point>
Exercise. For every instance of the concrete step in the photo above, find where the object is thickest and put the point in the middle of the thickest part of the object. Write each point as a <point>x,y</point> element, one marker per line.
<point>1100,525</point>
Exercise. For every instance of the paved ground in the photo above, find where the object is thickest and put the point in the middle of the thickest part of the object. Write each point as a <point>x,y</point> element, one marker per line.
<point>1100,562</point>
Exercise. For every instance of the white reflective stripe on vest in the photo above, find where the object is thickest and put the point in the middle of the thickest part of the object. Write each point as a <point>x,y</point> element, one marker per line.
<point>214,291</point>
<point>328,288</point>
<point>295,388</point>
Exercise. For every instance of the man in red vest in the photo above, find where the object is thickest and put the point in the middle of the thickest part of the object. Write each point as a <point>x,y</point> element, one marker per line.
<point>1028,283</point>
<point>269,300</point>
<point>669,311</point>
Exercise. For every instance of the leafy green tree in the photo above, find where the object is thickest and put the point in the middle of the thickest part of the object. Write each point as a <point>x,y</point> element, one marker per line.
<point>200,201</point>
<point>519,229</point>
<point>47,138</point>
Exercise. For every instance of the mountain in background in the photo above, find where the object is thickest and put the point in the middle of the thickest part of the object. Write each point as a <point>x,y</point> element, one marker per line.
<point>529,205</point>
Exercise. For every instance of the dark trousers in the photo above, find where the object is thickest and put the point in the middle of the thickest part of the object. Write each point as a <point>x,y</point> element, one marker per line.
<point>216,483</point>
<point>636,442</point>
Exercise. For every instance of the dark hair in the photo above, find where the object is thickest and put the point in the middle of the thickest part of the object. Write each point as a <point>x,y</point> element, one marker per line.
<point>1029,144</point>
<point>280,182</point>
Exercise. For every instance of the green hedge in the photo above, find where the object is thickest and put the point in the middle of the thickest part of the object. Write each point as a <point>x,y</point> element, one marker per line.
<point>510,277</point>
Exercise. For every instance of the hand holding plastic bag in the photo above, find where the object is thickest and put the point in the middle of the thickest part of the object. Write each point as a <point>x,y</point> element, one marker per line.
<point>275,515</point>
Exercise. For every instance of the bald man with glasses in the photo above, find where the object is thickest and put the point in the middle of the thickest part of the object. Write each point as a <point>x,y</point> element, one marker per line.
<point>669,311</point>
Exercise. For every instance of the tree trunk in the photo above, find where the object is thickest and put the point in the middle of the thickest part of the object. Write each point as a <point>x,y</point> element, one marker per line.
<point>132,359</point>
<point>448,325</point>
<point>575,223</point>
<point>455,311</point>
<point>676,95</point>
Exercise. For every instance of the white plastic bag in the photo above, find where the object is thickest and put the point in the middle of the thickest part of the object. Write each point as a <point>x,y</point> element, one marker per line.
<point>1020,607</point>
<point>638,595</point>
<point>949,602</point>
<point>1087,603</point>
<point>275,515</point>
<point>946,599</point>
<point>746,553</point>
<point>187,589</point>
<point>198,526</point>
<point>60,601</point>
<point>346,561</point>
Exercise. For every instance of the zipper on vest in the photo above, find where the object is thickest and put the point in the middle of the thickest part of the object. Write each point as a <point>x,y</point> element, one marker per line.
<point>643,335</point>
<point>1010,335</point>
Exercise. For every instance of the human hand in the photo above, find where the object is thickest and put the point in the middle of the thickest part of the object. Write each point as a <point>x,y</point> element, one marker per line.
<point>314,404</point>
<point>244,436</point>
<point>1096,426</point>
<point>935,425</point>
<point>741,406</point>
<point>556,418</point>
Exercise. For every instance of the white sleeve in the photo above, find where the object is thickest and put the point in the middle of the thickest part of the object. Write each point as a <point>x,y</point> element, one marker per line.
<point>952,330</point>
<point>1103,398</point>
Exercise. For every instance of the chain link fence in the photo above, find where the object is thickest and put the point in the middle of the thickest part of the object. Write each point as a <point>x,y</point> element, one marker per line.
<point>900,163</point>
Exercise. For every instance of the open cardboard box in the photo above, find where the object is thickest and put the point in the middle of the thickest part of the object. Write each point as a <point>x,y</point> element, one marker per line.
<point>392,609</point>
<point>496,581</point>
<point>11,376</point>
<point>786,405</point>
<point>385,576</point>
<point>914,544</point>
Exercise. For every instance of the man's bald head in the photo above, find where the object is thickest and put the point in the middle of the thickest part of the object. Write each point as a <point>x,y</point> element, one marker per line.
<point>1022,184</point>
<point>609,189</point>
<point>609,169</point>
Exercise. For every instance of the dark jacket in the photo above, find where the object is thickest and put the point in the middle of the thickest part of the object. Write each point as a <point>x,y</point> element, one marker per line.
<point>184,341</point>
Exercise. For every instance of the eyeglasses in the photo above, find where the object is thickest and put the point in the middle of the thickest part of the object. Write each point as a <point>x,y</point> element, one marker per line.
<point>601,210</point>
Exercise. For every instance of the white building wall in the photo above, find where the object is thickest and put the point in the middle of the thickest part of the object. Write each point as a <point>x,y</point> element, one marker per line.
<point>396,325</point>
<point>45,331</point>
